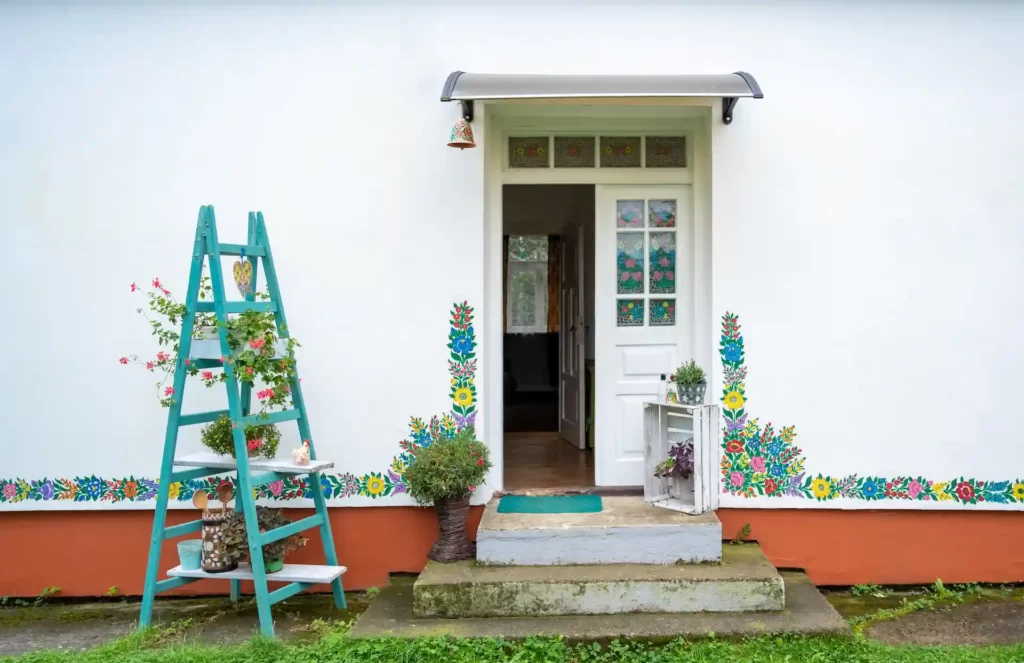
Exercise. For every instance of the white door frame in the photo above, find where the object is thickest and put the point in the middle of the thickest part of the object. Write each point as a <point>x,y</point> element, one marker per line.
<point>689,117</point>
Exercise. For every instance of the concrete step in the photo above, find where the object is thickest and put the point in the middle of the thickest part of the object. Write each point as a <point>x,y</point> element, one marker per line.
<point>626,531</point>
<point>744,582</point>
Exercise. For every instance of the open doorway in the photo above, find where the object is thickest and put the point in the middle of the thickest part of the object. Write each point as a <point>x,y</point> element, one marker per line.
<point>548,339</point>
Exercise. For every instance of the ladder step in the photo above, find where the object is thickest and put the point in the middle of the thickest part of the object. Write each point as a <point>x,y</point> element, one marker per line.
<point>268,477</point>
<point>287,591</point>
<point>314,574</point>
<point>211,460</point>
<point>236,250</point>
<point>271,418</point>
<point>291,528</point>
<point>183,529</point>
<point>202,417</point>
<point>197,473</point>
<point>171,583</point>
<point>238,307</point>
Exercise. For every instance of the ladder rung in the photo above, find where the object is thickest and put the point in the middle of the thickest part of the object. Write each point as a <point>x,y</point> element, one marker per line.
<point>287,591</point>
<point>195,473</point>
<point>291,528</point>
<point>171,583</point>
<point>268,477</point>
<point>202,417</point>
<point>182,529</point>
<point>236,250</point>
<point>238,307</point>
<point>271,418</point>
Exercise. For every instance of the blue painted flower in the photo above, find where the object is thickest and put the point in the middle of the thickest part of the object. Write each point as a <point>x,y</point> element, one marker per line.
<point>777,470</point>
<point>872,489</point>
<point>326,486</point>
<point>732,352</point>
<point>776,448</point>
<point>92,487</point>
<point>462,345</point>
<point>46,490</point>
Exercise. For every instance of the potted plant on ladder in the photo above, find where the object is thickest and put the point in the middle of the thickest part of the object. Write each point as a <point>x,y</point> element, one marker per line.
<point>445,474</point>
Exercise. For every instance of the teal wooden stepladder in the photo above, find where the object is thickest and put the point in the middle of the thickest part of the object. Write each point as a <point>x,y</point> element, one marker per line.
<point>296,576</point>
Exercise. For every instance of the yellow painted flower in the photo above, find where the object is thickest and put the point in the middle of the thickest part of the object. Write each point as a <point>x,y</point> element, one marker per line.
<point>374,485</point>
<point>821,488</point>
<point>453,382</point>
<point>939,490</point>
<point>733,400</point>
<point>417,425</point>
<point>174,490</point>
<point>463,397</point>
<point>398,465</point>
<point>1018,492</point>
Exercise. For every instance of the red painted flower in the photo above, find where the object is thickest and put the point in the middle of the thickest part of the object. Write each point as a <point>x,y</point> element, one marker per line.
<point>769,486</point>
<point>207,375</point>
<point>965,491</point>
<point>123,360</point>
<point>734,446</point>
<point>134,287</point>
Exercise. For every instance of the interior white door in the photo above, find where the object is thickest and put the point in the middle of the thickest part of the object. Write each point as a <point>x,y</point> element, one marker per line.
<point>643,315</point>
<point>570,340</point>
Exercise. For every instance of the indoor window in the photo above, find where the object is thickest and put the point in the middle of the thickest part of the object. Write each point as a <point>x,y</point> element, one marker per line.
<point>527,284</point>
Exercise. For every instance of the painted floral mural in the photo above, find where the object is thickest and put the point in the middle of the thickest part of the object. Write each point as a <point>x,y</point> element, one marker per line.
<point>764,461</point>
<point>461,366</point>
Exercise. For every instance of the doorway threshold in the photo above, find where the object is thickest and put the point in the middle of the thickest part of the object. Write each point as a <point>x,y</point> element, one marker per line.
<point>603,491</point>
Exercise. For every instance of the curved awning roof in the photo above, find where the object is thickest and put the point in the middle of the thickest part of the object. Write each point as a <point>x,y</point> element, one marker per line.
<point>467,87</point>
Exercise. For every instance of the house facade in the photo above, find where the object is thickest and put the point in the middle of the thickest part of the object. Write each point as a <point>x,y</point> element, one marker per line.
<point>839,257</point>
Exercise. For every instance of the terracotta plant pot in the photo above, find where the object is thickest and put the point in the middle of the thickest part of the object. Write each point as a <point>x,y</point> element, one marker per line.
<point>452,544</point>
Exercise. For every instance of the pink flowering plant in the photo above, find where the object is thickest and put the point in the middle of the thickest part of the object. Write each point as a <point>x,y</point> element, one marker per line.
<point>449,468</point>
<point>258,355</point>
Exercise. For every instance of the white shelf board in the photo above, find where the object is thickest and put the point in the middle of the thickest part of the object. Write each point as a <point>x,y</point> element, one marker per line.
<point>312,573</point>
<point>285,465</point>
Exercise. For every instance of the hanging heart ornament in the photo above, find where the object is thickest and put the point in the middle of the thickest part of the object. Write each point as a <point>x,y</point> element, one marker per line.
<point>242,271</point>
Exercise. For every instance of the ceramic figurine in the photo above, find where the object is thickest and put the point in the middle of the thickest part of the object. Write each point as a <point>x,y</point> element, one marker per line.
<point>301,455</point>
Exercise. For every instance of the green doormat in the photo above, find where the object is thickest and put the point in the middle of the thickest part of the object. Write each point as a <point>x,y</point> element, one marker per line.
<point>551,504</point>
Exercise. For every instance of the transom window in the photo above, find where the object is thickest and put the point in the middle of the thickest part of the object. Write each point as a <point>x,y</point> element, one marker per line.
<point>554,151</point>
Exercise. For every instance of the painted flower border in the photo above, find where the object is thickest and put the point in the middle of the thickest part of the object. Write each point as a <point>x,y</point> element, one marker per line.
<point>462,365</point>
<point>764,462</point>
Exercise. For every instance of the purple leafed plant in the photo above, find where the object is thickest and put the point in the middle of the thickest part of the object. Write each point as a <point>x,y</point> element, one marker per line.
<point>679,462</point>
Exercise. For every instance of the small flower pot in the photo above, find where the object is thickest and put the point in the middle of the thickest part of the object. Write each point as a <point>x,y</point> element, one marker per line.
<point>691,394</point>
<point>215,558</point>
<point>190,554</point>
<point>452,544</point>
<point>274,565</point>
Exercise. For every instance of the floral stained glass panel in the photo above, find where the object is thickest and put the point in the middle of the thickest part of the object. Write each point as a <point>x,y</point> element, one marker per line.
<point>663,312</point>
<point>630,263</point>
<point>572,152</point>
<point>528,152</point>
<point>661,213</point>
<point>617,152</point>
<point>663,262</point>
<point>665,152</point>
<point>629,213</point>
<point>629,312</point>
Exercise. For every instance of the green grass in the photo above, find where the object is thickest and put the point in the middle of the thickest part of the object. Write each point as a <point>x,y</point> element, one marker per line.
<point>156,646</point>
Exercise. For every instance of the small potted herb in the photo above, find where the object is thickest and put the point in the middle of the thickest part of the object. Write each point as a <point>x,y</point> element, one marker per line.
<point>691,383</point>
<point>274,552</point>
<point>445,474</point>
<point>679,463</point>
<point>261,440</point>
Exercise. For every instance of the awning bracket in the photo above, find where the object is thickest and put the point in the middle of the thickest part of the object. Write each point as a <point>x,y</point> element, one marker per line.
<point>467,109</point>
<point>728,103</point>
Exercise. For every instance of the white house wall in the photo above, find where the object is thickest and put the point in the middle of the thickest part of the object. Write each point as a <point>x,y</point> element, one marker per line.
<point>866,221</point>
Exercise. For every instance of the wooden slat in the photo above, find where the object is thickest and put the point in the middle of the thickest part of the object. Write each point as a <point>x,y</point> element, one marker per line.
<point>183,529</point>
<point>293,527</point>
<point>287,591</point>
<point>267,477</point>
<point>238,307</point>
<point>186,475</point>
<point>312,573</point>
<point>171,583</point>
<point>202,417</point>
<point>271,418</point>
<point>236,250</point>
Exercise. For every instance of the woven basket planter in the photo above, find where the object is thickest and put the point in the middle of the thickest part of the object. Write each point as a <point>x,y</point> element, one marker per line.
<point>452,544</point>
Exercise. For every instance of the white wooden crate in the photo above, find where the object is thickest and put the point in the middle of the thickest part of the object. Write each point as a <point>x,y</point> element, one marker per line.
<point>667,424</point>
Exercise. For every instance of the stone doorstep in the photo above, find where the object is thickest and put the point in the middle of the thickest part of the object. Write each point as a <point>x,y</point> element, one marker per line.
<point>744,581</point>
<point>806,612</point>
<point>626,531</point>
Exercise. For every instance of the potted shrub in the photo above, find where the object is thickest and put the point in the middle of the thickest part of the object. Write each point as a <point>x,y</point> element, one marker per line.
<point>237,542</point>
<point>679,463</point>
<point>261,440</point>
<point>691,383</point>
<point>445,474</point>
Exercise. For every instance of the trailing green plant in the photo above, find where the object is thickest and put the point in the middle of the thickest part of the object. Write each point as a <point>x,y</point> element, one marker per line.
<point>689,374</point>
<point>741,535</point>
<point>450,468</point>
<point>237,542</point>
<point>869,589</point>
<point>261,440</point>
<point>253,337</point>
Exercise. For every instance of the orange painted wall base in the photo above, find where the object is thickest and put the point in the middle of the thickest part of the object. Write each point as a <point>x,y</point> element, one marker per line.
<point>85,552</point>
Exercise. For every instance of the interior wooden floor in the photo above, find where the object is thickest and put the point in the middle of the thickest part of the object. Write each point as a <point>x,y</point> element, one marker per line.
<point>545,461</point>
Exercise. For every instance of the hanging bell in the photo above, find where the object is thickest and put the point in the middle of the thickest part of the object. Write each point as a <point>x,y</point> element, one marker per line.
<point>462,135</point>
